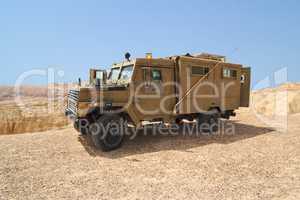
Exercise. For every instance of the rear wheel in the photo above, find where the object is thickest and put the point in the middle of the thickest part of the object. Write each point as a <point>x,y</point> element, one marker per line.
<point>108,132</point>
<point>214,123</point>
<point>178,121</point>
<point>209,122</point>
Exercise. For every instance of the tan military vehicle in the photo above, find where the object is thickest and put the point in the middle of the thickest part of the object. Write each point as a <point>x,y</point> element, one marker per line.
<point>201,87</point>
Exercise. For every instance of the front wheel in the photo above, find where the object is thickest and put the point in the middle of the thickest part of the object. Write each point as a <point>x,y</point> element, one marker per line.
<point>81,125</point>
<point>108,132</point>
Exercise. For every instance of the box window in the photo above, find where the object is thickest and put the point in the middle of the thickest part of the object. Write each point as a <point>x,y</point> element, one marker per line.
<point>156,75</point>
<point>229,73</point>
<point>200,71</point>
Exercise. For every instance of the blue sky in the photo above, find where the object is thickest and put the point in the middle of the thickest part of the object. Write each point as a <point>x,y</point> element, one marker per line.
<point>75,35</point>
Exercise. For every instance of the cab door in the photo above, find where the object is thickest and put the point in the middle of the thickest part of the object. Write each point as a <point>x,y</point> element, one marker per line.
<point>245,87</point>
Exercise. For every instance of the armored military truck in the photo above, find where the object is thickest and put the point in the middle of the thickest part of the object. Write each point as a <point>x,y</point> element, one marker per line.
<point>200,87</point>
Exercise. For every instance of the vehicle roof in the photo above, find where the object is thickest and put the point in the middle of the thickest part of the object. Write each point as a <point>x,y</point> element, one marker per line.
<point>167,61</point>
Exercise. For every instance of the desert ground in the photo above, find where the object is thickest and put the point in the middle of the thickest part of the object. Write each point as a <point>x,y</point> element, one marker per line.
<point>259,161</point>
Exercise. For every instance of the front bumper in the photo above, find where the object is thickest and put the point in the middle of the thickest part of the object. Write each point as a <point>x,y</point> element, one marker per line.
<point>71,115</point>
<point>80,124</point>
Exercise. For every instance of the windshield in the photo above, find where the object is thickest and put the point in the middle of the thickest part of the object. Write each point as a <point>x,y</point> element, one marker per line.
<point>126,73</point>
<point>114,74</point>
<point>99,75</point>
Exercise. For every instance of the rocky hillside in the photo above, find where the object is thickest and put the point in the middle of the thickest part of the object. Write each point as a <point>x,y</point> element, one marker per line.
<point>284,99</point>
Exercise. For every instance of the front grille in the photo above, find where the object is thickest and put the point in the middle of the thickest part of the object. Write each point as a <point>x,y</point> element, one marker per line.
<point>73,98</point>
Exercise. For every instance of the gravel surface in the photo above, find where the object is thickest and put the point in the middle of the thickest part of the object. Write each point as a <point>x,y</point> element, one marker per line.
<point>255,163</point>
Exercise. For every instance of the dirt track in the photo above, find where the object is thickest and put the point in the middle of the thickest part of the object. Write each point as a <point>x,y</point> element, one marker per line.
<point>256,163</point>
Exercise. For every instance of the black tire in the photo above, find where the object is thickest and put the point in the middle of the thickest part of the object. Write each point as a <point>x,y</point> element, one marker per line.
<point>203,120</point>
<point>108,132</point>
<point>214,124</point>
<point>211,119</point>
<point>178,121</point>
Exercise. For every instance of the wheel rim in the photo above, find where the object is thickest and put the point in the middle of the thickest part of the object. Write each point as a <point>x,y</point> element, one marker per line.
<point>113,138</point>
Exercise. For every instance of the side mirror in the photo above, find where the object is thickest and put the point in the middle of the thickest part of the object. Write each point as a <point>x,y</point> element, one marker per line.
<point>79,81</point>
<point>104,77</point>
<point>98,82</point>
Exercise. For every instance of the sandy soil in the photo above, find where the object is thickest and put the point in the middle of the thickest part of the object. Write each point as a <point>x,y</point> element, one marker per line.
<point>257,162</point>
